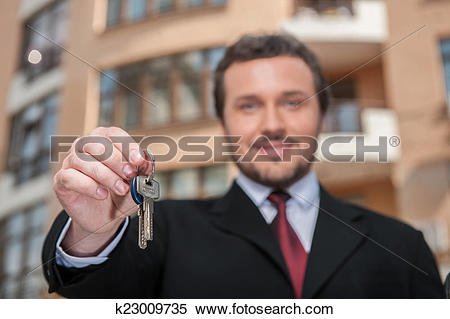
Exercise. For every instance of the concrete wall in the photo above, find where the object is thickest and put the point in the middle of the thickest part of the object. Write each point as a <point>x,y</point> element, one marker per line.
<point>415,90</point>
<point>10,33</point>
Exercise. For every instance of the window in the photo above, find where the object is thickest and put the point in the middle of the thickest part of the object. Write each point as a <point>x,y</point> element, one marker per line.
<point>185,183</point>
<point>445,50</point>
<point>129,11</point>
<point>129,77</point>
<point>160,112</point>
<point>169,89</point>
<point>344,113</point>
<point>113,12</point>
<point>214,57</point>
<point>163,6</point>
<point>21,240</point>
<point>133,107</point>
<point>51,22</point>
<point>195,3</point>
<point>218,2</point>
<point>215,180</point>
<point>29,147</point>
<point>107,90</point>
<point>137,9</point>
<point>160,92</point>
<point>190,87</point>
<point>197,182</point>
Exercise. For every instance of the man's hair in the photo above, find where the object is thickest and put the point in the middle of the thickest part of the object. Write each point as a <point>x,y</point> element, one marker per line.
<point>252,47</point>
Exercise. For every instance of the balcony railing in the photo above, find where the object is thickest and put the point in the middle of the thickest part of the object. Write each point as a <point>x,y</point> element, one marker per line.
<point>373,123</point>
<point>325,7</point>
<point>353,22</point>
<point>343,116</point>
<point>123,12</point>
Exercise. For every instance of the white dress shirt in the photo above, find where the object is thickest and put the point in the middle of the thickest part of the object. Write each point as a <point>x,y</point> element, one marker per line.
<point>301,209</point>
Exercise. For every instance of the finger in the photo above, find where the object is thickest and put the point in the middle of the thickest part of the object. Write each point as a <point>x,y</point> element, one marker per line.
<point>115,161</point>
<point>99,172</point>
<point>72,180</point>
<point>123,142</point>
<point>146,167</point>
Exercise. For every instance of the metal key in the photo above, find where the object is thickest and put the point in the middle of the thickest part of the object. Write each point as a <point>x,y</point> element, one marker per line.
<point>144,190</point>
<point>149,189</point>
<point>142,241</point>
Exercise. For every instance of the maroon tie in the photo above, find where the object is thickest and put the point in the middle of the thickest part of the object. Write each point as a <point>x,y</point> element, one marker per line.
<point>294,254</point>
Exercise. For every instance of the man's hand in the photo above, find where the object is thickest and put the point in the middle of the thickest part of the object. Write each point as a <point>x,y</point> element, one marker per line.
<point>96,193</point>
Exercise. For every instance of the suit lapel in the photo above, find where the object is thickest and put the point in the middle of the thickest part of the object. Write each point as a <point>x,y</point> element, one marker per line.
<point>239,215</point>
<point>337,234</point>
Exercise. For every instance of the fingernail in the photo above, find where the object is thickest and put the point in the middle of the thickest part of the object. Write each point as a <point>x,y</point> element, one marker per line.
<point>121,187</point>
<point>128,171</point>
<point>135,156</point>
<point>101,192</point>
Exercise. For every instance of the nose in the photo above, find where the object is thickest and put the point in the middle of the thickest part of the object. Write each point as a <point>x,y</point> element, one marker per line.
<point>273,123</point>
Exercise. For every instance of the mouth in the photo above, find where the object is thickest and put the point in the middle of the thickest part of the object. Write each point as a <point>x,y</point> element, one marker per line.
<point>274,150</point>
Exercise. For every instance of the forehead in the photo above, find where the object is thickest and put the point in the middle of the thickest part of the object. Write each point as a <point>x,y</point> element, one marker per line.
<point>268,75</point>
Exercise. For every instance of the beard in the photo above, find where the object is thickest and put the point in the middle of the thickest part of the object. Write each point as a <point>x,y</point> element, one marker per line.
<point>273,169</point>
<point>275,174</point>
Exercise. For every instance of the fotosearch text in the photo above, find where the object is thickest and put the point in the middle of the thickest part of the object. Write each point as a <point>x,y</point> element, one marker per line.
<point>226,148</point>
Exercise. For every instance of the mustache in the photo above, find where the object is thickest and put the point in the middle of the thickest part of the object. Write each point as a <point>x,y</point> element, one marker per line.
<point>287,140</point>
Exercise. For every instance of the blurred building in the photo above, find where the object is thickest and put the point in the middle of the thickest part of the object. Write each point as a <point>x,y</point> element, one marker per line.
<point>389,62</point>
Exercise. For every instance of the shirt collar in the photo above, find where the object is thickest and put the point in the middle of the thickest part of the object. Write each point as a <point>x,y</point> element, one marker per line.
<point>257,192</point>
<point>305,191</point>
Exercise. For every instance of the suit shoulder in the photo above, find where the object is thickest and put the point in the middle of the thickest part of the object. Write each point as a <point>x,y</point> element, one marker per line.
<point>384,224</point>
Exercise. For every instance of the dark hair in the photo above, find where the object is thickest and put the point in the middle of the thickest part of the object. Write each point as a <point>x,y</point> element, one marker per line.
<point>251,47</point>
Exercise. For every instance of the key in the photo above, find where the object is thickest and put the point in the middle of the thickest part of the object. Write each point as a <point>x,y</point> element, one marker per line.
<point>144,190</point>
<point>142,241</point>
<point>149,189</point>
<point>138,199</point>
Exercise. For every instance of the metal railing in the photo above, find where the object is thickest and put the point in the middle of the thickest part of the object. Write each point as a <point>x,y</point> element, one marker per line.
<point>343,116</point>
<point>326,7</point>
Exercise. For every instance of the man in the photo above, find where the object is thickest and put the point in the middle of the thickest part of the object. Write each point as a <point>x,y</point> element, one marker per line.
<point>276,233</point>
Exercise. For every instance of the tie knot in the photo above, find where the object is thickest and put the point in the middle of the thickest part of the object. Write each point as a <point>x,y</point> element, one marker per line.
<point>278,197</point>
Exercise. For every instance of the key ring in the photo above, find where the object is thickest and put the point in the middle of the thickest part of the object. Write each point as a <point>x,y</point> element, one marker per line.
<point>138,198</point>
<point>152,158</point>
<point>149,154</point>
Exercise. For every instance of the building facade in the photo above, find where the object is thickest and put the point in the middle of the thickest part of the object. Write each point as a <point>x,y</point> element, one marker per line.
<point>146,66</point>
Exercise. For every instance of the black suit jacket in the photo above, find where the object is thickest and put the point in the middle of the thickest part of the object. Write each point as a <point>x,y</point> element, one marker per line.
<point>223,248</point>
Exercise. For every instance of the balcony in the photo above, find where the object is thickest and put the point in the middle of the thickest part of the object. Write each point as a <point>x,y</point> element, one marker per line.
<point>342,33</point>
<point>324,7</point>
<point>343,116</point>
<point>347,118</point>
<point>339,20</point>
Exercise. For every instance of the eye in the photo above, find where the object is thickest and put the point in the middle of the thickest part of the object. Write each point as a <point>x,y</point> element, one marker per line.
<point>249,107</point>
<point>293,103</point>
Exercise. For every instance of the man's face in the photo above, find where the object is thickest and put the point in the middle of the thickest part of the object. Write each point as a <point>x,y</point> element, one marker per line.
<point>270,97</point>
